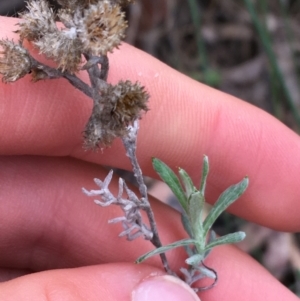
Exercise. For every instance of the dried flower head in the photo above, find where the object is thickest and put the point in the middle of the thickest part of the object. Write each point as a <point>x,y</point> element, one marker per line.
<point>38,20</point>
<point>73,4</point>
<point>14,61</point>
<point>121,105</point>
<point>123,2</point>
<point>66,17</point>
<point>101,28</point>
<point>68,4</point>
<point>128,102</point>
<point>63,47</point>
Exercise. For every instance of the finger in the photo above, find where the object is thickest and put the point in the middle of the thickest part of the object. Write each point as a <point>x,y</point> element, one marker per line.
<point>106,282</point>
<point>186,120</point>
<point>124,282</point>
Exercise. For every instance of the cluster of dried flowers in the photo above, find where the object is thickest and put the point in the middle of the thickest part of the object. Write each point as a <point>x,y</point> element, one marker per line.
<point>90,29</point>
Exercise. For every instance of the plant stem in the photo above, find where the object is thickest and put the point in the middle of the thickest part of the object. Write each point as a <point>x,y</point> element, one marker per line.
<point>129,143</point>
<point>104,67</point>
<point>78,83</point>
<point>53,73</point>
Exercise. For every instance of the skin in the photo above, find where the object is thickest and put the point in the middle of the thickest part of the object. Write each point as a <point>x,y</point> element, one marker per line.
<point>60,241</point>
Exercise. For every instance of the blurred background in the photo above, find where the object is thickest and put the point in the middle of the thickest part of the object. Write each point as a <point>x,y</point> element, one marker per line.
<point>247,48</point>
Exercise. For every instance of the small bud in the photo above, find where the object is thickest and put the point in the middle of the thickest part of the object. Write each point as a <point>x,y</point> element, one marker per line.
<point>122,105</point>
<point>14,61</point>
<point>101,28</point>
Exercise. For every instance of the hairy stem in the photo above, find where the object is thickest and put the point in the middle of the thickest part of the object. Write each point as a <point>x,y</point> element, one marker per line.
<point>129,143</point>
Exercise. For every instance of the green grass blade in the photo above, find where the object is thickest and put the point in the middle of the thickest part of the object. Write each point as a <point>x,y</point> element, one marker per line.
<point>267,45</point>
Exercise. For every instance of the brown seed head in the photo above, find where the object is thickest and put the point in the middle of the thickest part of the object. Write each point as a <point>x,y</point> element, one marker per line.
<point>73,4</point>
<point>128,101</point>
<point>124,3</point>
<point>38,20</point>
<point>121,105</point>
<point>63,47</point>
<point>14,61</point>
<point>101,28</point>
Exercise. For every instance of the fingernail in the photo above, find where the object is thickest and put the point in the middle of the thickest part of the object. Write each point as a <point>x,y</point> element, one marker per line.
<point>163,288</point>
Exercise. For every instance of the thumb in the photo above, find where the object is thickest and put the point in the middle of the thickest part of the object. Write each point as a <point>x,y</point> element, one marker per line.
<point>110,282</point>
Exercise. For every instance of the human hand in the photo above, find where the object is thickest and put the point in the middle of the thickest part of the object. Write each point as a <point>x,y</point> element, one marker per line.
<point>60,241</point>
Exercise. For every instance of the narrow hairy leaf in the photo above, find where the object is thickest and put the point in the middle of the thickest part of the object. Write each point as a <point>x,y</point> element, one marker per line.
<point>195,209</point>
<point>169,177</point>
<point>177,244</point>
<point>229,196</point>
<point>186,224</point>
<point>187,182</point>
<point>226,239</point>
<point>194,259</point>
<point>205,170</point>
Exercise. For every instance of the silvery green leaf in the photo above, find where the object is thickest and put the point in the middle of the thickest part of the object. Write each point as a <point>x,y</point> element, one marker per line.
<point>169,177</point>
<point>205,170</point>
<point>226,239</point>
<point>177,244</point>
<point>187,182</point>
<point>186,224</point>
<point>229,196</point>
<point>211,237</point>
<point>194,260</point>
<point>195,208</point>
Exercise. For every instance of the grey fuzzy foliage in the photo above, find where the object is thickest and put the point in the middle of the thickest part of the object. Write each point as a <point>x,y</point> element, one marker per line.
<point>132,220</point>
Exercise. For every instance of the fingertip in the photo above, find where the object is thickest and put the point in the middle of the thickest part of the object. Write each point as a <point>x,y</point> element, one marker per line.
<point>163,288</point>
<point>108,282</point>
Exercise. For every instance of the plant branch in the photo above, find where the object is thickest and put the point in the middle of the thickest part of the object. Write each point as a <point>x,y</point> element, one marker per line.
<point>97,77</point>
<point>53,73</point>
<point>129,143</point>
